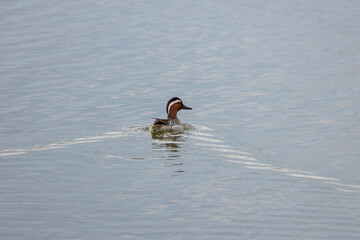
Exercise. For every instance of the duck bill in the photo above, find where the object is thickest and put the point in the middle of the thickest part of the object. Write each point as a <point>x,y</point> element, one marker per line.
<point>186,107</point>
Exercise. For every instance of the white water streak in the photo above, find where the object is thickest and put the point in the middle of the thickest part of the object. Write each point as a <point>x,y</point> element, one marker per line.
<point>247,163</point>
<point>63,144</point>
<point>313,177</point>
<point>206,139</point>
<point>240,157</point>
<point>252,163</point>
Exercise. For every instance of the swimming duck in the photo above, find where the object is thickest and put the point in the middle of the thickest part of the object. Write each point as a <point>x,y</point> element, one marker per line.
<point>172,123</point>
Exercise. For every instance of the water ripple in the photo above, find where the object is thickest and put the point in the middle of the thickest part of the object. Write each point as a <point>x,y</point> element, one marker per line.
<point>203,139</point>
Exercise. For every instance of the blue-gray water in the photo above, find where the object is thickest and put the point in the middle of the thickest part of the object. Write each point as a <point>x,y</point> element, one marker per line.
<point>272,149</point>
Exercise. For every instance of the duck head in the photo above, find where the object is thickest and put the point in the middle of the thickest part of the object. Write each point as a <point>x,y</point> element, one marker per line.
<point>174,105</point>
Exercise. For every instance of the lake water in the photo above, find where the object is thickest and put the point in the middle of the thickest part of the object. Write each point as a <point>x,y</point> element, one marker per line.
<point>271,147</point>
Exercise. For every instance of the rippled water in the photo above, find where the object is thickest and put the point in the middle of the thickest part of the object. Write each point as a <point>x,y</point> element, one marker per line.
<point>271,147</point>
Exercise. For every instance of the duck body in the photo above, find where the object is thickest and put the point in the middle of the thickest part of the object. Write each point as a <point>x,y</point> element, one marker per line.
<point>172,123</point>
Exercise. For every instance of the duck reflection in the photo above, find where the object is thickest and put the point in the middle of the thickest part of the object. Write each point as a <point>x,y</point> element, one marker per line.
<point>171,144</point>
<point>167,141</point>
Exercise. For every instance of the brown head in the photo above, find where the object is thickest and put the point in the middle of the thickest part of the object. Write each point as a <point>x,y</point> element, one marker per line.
<point>173,106</point>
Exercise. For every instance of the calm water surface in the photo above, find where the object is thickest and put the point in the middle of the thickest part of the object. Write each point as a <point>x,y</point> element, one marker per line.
<point>271,149</point>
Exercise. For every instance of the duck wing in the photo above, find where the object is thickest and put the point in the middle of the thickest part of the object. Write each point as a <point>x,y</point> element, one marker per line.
<point>159,121</point>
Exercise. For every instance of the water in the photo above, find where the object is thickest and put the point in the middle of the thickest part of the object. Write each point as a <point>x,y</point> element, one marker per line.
<point>271,149</point>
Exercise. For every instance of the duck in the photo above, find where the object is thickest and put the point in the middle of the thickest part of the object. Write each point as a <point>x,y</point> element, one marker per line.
<point>172,123</point>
